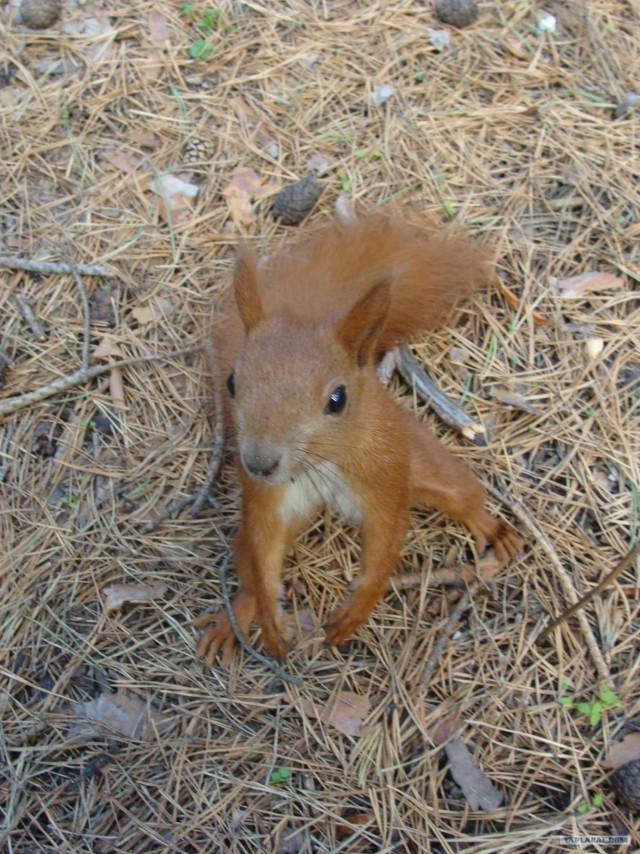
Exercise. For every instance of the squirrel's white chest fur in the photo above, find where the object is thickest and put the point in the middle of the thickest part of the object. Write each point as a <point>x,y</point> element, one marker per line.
<point>322,484</point>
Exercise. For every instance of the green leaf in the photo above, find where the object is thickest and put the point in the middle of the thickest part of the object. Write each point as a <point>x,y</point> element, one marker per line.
<point>583,808</point>
<point>377,153</point>
<point>188,8</point>
<point>448,208</point>
<point>565,701</point>
<point>359,152</point>
<point>279,775</point>
<point>200,49</point>
<point>585,708</point>
<point>608,698</point>
<point>597,800</point>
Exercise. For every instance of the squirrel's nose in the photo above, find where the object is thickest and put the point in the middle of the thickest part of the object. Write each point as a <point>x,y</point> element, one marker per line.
<point>260,464</point>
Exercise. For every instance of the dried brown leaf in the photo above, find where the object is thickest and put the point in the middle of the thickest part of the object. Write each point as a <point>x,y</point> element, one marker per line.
<point>158,28</point>
<point>116,389</point>
<point>346,711</point>
<point>512,399</point>
<point>575,287</point>
<point>122,160</point>
<point>121,712</point>
<point>176,195</point>
<point>145,138</point>
<point>108,352</point>
<point>248,117</point>
<point>119,594</point>
<point>476,787</point>
<point>244,188</point>
<point>105,352</point>
<point>154,310</point>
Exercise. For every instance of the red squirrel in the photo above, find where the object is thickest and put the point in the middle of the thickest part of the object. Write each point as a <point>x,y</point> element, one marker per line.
<point>297,345</point>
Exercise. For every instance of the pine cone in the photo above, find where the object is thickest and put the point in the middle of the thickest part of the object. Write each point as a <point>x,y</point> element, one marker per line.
<point>40,14</point>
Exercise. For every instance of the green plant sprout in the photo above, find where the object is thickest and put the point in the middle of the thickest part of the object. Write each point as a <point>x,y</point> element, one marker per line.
<point>208,21</point>
<point>593,711</point>
<point>596,801</point>
<point>360,153</point>
<point>280,775</point>
<point>344,180</point>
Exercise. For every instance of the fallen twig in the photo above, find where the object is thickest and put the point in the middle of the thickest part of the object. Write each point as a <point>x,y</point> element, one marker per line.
<point>565,579</point>
<point>624,564</point>
<point>457,575</point>
<point>199,498</point>
<point>13,404</point>
<point>30,318</point>
<point>216,454</point>
<point>515,302</point>
<point>445,409</point>
<point>48,268</point>
<point>244,643</point>
<point>86,320</point>
<point>4,448</point>
<point>454,618</point>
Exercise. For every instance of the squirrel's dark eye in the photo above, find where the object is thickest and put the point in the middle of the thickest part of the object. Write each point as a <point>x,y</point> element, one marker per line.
<point>231,385</point>
<point>337,401</point>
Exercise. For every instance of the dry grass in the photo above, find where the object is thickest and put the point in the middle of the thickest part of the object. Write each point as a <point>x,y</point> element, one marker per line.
<point>510,130</point>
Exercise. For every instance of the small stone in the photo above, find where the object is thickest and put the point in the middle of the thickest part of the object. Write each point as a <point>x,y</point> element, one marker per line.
<point>626,781</point>
<point>295,202</point>
<point>457,13</point>
<point>629,101</point>
<point>40,14</point>
<point>547,23</point>
<point>381,94</point>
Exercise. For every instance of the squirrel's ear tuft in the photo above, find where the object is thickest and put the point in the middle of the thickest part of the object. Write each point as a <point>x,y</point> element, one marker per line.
<point>358,330</point>
<point>245,284</point>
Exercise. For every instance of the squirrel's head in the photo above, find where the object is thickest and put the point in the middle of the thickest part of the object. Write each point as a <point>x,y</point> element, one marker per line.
<point>297,386</point>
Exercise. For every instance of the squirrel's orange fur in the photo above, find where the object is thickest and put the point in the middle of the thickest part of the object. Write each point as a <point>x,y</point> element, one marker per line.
<point>314,425</point>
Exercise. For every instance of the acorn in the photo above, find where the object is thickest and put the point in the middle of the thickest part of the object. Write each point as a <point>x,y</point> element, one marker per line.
<point>295,202</point>
<point>626,781</point>
<point>457,13</point>
<point>40,14</point>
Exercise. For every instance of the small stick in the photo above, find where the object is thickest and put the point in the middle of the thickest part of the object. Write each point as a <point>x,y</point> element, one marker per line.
<point>216,454</point>
<point>82,375</point>
<point>172,509</point>
<point>86,321</point>
<point>461,606</point>
<point>4,456</point>
<point>49,268</point>
<point>563,575</point>
<point>515,302</point>
<point>443,406</point>
<point>453,575</point>
<point>244,643</point>
<point>624,564</point>
<point>30,318</point>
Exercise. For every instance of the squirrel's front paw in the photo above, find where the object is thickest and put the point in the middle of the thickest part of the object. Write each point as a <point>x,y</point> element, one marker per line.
<point>341,625</point>
<point>218,636</point>
<point>221,635</point>
<point>273,637</point>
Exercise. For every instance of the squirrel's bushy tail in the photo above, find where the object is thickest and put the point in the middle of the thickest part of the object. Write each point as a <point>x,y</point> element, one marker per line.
<point>429,271</point>
<point>319,279</point>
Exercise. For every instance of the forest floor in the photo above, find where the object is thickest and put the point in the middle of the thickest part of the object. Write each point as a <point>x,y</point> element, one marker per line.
<point>146,138</point>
